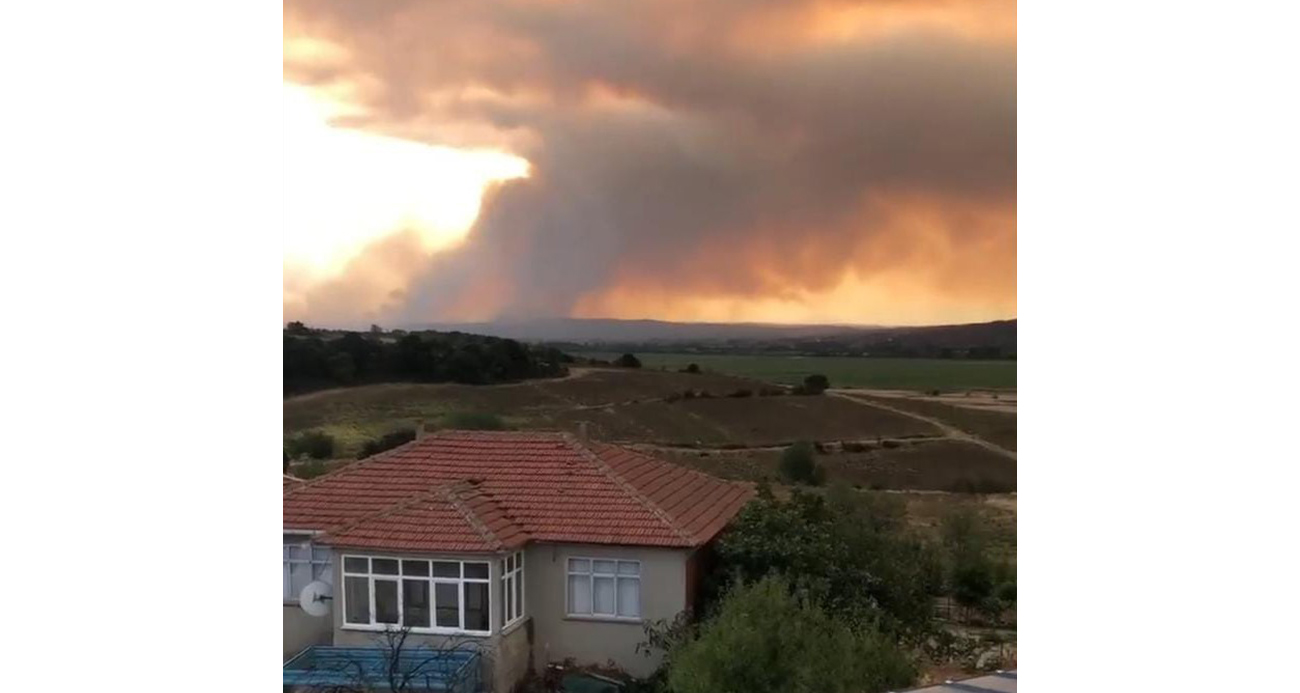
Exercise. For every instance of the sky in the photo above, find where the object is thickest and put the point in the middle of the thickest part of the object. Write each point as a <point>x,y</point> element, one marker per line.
<point>793,161</point>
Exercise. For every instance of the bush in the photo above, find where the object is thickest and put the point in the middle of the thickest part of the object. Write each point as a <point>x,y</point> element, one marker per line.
<point>312,469</point>
<point>741,393</point>
<point>628,361</point>
<point>799,466</point>
<point>474,421</point>
<point>764,639</point>
<point>691,368</point>
<point>388,441</point>
<point>313,444</point>
<point>816,384</point>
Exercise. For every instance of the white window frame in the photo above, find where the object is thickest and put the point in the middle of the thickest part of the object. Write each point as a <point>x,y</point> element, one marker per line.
<point>371,576</point>
<point>591,586</point>
<point>310,548</point>
<point>508,578</point>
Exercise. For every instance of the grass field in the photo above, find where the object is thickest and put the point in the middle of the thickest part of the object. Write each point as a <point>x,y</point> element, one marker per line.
<point>883,373</point>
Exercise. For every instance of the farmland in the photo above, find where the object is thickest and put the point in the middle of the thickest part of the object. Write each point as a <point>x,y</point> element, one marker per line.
<point>843,371</point>
<point>731,426</point>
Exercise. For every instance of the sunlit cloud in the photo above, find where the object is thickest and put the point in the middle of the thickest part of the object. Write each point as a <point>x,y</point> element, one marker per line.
<point>347,187</point>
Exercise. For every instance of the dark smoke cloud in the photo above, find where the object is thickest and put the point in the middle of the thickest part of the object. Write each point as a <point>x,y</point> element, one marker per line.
<point>723,149</point>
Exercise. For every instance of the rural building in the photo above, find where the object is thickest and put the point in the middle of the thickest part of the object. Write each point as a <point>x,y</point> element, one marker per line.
<point>527,548</point>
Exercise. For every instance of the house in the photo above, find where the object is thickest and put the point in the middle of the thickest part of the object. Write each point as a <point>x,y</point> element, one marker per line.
<point>534,547</point>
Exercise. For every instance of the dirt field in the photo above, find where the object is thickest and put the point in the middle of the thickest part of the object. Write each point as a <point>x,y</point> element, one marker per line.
<point>922,465</point>
<point>869,441</point>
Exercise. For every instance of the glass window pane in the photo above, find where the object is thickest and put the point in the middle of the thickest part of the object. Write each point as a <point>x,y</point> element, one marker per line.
<point>579,594</point>
<point>446,601</point>
<point>415,603</point>
<point>356,596</point>
<point>519,595</point>
<point>356,565</point>
<point>603,600</point>
<point>384,566</point>
<point>476,606</point>
<point>605,567</point>
<point>446,569</point>
<point>629,568</point>
<point>321,571</point>
<point>288,591</point>
<point>299,577</point>
<point>519,559</point>
<point>287,550</point>
<point>579,565</point>
<point>320,554</point>
<point>415,568</point>
<point>629,597</point>
<point>505,586</point>
<point>476,570</point>
<point>295,552</point>
<point>386,601</point>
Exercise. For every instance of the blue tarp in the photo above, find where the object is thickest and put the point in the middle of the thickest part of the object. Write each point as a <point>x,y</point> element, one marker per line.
<point>425,669</point>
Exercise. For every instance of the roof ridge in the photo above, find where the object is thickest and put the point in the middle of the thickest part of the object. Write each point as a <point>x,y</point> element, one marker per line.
<point>453,495</point>
<point>628,487</point>
<point>390,509</point>
<point>351,466</point>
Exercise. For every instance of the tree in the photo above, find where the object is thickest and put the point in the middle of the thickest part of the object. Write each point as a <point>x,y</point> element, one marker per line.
<point>388,441</point>
<point>798,464</point>
<point>692,368</point>
<point>816,384</point>
<point>854,555</point>
<point>474,421</point>
<point>628,361</point>
<point>765,638</point>
<point>314,444</point>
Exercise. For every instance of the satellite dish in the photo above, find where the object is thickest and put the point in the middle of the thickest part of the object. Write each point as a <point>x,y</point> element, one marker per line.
<point>313,598</point>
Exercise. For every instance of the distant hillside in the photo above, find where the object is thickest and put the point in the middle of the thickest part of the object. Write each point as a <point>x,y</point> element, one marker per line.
<point>606,330</point>
<point>977,340</point>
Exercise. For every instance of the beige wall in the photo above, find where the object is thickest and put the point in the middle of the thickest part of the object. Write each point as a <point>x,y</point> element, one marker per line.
<point>557,637</point>
<point>301,630</point>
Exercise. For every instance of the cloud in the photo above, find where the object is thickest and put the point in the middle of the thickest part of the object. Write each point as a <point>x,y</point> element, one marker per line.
<point>823,160</point>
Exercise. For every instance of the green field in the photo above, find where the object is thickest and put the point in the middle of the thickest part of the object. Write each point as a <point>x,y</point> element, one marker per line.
<point>844,371</point>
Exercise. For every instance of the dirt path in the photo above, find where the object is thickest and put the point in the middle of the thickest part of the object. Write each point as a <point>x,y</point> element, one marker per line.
<point>948,429</point>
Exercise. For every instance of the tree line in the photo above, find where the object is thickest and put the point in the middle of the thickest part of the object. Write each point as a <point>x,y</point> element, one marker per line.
<point>316,359</point>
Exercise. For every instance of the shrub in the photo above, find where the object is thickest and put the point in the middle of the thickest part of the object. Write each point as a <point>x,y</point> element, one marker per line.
<point>816,384</point>
<point>798,464</point>
<point>312,469</point>
<point>313,444</point>
<point>691,368</point>
<point>628,361</point>
<point>474,421</point>
<point>765,639</point>
<point>388,441</point>
<point>741,393</point>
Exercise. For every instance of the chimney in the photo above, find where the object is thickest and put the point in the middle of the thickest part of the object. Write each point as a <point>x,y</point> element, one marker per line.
<point>419,429</point>
<point>582,431</point>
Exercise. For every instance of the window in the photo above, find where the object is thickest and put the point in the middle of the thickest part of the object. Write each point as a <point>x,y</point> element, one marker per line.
<point>512,587</point>
<point>303,563</point>
<point>430,596</point>
<point>604,588</point>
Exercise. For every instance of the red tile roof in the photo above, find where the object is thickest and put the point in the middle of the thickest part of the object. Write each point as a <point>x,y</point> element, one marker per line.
<point>490,491</point>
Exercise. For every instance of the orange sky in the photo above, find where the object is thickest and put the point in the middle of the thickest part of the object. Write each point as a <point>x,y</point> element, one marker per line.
<point>803,161</point>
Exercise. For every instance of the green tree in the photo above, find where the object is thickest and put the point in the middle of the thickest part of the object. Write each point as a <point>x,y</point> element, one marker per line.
<point>816,384</point>
<point>314,444</point>
<point>855,556</point>
<point>799,465</point>
<point>628,361</point>
<point>474,421</point>
<point>766,639</point>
